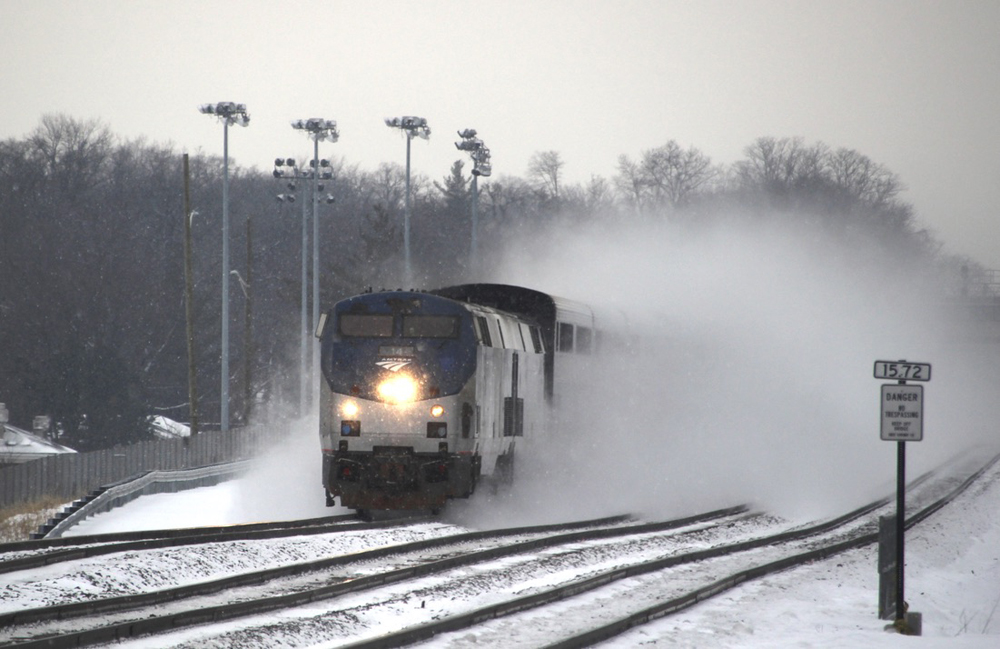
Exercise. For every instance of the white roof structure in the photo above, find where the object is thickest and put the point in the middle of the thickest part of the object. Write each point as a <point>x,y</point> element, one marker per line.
<point>20,446</point>
<point>165,428</point>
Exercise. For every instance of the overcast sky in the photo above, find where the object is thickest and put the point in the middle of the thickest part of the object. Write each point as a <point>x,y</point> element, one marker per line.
<point>913,84</point>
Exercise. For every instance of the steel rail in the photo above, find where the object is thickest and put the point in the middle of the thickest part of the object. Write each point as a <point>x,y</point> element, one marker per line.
<point>143,535</point>
<point>216,613</point>
<point>407,636</point>
<point>459,622</point>
<point>696,596</point>
<point>268,532</point>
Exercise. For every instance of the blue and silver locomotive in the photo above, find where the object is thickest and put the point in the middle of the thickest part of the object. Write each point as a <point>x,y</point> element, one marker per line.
<point>425,393</point>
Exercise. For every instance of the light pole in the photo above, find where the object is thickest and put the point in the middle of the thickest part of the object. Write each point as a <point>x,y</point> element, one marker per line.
<point>481,166</point>
<point>287,169</point>
<point>317,129</point>
<point>229,113</point>
<point>412,126</point>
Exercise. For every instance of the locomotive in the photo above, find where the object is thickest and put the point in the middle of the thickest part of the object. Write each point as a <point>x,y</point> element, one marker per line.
<point>423,394</point>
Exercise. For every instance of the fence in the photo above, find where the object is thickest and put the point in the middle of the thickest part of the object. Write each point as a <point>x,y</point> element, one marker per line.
<point>73,474</point>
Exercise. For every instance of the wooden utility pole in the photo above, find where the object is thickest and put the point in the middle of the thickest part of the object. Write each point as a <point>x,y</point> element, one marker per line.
<point>188,301</point>
<point>248,329</point>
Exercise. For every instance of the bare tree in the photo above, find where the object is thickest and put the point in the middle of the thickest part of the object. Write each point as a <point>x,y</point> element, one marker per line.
<point>74,153</point>
<point>545,170</point>
<point>629,182</point>
<point>599,196</point>
<point>672,175</point>
<point>862,178</point>
<point>775,164</point>
<point>507,198</point>
<point>387,186</point>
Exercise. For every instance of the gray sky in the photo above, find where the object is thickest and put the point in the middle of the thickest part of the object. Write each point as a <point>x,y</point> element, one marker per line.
<point>914,85</point>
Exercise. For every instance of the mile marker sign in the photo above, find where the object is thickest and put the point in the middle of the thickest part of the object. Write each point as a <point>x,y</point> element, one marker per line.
<point>902,413</point>
<point>902,371</point>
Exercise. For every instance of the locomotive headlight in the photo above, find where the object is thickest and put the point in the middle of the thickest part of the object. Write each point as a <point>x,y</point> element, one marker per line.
<point>398,389</point>
<point>437,410</point>
<point>349,409</point>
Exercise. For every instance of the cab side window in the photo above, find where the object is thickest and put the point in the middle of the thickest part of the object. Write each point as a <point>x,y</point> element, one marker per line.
<point>536,339</point>
<point>564,342</point>
<point>483,328</point>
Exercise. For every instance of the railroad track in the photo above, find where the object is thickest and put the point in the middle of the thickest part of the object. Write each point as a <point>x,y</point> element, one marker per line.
<point>504,579</point>
<point>46,626</point>
<point>25,555</point>
<point>658,588</point>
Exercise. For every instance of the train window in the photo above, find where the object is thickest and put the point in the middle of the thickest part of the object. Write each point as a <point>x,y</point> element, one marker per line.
<point>430,326</point>
<point>484,331</point>
<point>509,333</point>
<point>500,329</point>
<point>321,325</point>
<point>565,342</point>
<point>367,325</point>
<point>520,331</point>
<point>584,338</point>
<point>536,339</point>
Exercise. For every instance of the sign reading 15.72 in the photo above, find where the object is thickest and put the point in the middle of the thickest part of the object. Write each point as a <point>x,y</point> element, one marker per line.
<point>902,371</point>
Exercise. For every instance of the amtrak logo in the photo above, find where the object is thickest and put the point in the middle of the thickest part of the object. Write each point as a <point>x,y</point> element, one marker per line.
<point>394,364</point>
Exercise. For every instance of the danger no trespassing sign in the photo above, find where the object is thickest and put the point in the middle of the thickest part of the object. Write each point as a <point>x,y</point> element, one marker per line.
<point>902,413</point>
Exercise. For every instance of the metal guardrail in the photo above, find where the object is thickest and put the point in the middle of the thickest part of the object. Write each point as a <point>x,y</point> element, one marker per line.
<point>115,495</point>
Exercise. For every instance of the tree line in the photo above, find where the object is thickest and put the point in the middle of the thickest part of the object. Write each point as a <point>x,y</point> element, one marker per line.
<point>92,328</point>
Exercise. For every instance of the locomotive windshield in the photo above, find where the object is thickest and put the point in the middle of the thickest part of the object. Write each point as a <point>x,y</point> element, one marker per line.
<point>371,325</point>
<point>368,325</point>
<point>430,326</point>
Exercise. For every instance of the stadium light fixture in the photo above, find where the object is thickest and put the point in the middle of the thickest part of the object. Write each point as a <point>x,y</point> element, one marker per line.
<point>288,170</point>
<point>481,166</point>
<point>413,127</point>
<point>319,130</point>
<point>228,113</point>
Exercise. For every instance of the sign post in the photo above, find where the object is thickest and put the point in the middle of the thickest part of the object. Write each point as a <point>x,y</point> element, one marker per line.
<point>902,421</point>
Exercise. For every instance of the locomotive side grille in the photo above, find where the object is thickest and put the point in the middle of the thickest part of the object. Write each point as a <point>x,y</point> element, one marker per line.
<point>513,420</point>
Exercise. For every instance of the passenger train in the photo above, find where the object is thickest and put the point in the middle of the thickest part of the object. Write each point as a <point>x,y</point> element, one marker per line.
<point>423,394</point>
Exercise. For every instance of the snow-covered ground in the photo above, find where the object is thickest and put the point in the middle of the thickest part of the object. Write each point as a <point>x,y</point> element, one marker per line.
<point>952,576</point>
<point>222,504</point>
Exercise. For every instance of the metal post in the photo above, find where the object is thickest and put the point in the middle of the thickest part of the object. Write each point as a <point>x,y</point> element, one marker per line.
<point>474,247</point>
<point>304,350</point>
<point>228,112</point>
<point>412,126</point>
<point>317,129</point>
<point>188,304</point>
<point>314,373</point>
<point>225,278</point>
<point>408,272</point>
<point>248,329</point>
<point>900,523</point>
<point>480,167</point>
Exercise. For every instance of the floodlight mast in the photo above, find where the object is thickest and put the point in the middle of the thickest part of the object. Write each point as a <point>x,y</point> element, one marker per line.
<point>287,169</point>
<point>413,127</point>
<point>317,129</point>
<point>480,167</point>
<point>228,113</point>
